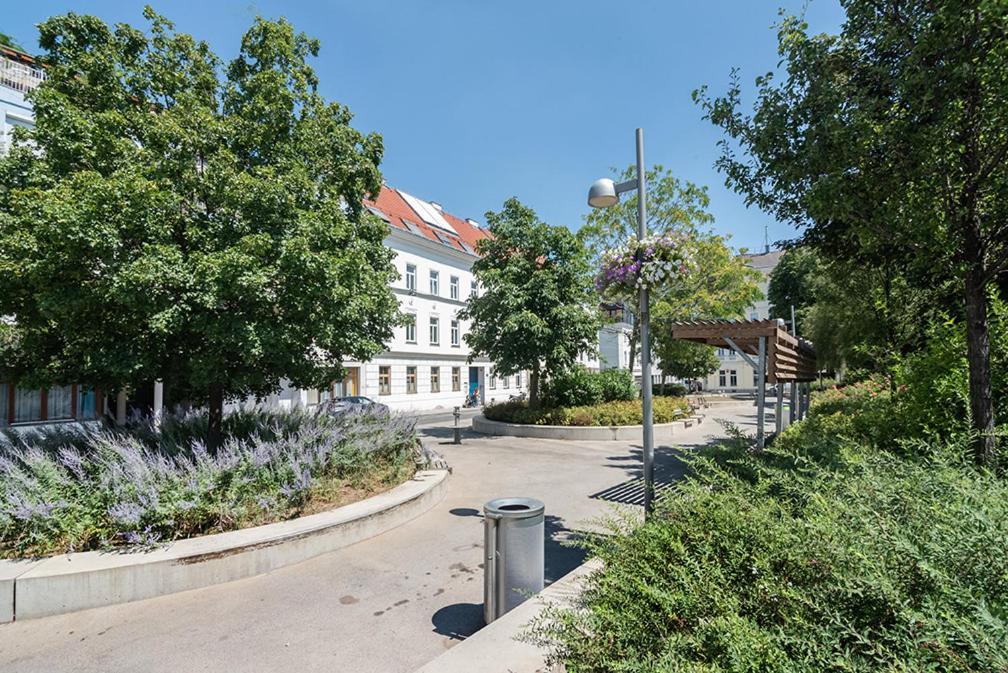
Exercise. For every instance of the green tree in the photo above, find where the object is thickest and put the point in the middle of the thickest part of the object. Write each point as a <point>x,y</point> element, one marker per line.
<point>535,309</point>
<point>723,285</point>
<point>792,284</point>
<point>6,39</point>
<point>685,359</point>
<point>888,142</point>
<point>172,219</point>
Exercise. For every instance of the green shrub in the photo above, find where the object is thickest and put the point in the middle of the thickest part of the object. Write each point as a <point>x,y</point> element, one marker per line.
<point>617,385</point>
<point>818,554</point>
<point>574,387</point>
<point>671,390</point>
<point>666,410</point>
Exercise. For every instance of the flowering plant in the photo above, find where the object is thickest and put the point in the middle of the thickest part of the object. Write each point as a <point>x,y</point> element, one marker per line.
<point>653,262</point>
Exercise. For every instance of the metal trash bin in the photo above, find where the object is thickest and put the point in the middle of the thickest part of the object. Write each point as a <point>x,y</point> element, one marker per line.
<point>514,536</point>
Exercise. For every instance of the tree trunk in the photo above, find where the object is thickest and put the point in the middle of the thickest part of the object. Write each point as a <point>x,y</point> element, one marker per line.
<point>216,415</point>
<point>978,355</point>
<point>534,388</point>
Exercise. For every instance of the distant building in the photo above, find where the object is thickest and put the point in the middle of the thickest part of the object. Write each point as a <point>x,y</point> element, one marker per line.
<point>734,374</point>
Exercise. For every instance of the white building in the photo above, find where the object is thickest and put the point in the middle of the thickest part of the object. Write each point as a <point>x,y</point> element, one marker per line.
<point>426,365</point>
<point>734,374</point>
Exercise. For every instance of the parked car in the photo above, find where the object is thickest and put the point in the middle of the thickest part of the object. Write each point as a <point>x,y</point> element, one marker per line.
<point>355,403</point>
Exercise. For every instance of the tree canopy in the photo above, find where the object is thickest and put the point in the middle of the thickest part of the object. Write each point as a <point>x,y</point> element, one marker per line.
<point>887,143</point>
<point>719,284</point>
<point>174,218</point>
<point>535,310</point>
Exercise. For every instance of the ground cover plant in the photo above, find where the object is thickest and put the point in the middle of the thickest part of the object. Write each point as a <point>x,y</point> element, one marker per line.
<point>666,410</point>
<point>73,490</point>
<point>826,552</point>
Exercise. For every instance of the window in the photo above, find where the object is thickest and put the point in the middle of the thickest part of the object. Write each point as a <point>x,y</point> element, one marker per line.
<point>385,380</point>
<point>435,379</point>
<point>435,331</point>
<point>411,277</point>
<point>456,379</point>
<point>518,380</point>
<point>493,380</point>
<point>411,328</point>
<point>734,379</point>
<point>455,333</point>
<point>453,287</point>
<point>59,400</point>
<point>313,396</point>
<point>411,380</point>
<point>27,405</point>
<point>505,382</point>
<point>473,289</point>
<point>721,378</point>
<point>87,403</point>
<point>434,283</point>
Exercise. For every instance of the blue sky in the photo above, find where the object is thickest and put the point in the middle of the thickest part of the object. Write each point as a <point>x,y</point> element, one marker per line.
<point>479,101</point>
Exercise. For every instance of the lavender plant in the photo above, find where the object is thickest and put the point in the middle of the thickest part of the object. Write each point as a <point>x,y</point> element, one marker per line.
<point>97,488</point>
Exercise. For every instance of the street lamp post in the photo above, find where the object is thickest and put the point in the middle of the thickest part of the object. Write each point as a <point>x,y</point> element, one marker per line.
<point>604,193</point>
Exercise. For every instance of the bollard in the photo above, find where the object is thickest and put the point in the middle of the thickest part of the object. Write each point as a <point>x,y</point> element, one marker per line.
<point>458,430</point>
<point>514,539</point>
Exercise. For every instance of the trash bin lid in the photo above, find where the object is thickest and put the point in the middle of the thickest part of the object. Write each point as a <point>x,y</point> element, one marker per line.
<point>514,508</point>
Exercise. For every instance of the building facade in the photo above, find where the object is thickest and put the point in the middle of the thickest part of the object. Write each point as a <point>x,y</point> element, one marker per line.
<point>734,374</point>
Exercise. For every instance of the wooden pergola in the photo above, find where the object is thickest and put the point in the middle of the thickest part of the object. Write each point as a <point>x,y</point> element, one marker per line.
<point>780,357</point>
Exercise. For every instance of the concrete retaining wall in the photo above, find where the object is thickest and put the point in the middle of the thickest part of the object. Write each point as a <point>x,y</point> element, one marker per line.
<point>578,432</point>
<point>78,581</point>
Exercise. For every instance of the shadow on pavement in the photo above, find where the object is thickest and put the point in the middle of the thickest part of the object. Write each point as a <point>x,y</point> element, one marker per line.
<point>458,621</point>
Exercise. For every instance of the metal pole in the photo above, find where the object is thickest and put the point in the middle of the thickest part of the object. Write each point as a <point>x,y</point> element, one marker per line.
<point>645,337</point>
<point>793,405</point>
<point>779,409</point>
<point>761,395</point>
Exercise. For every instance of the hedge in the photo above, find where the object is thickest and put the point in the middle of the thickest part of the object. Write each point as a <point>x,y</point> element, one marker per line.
<point>666,410</point>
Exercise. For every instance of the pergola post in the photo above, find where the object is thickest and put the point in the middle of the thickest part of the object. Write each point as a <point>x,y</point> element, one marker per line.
<point>793,406</point>
<point>761,395</point>
<point>779,409</point>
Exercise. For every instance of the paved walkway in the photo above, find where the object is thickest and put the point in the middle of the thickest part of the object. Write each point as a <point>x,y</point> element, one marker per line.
<point>386,605</point>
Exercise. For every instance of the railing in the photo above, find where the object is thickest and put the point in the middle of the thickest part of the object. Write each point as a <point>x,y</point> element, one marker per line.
<point>20,76</point>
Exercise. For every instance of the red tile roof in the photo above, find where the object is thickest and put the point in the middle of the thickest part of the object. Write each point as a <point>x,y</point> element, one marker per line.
<point>397,212</point>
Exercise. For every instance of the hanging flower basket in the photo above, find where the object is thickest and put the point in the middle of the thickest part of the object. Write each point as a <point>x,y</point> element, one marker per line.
<point>655,262</point>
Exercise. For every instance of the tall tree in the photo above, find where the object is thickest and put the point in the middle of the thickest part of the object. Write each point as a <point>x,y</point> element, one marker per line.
<point>535,309</point>
<point>172,219</point>
<point>673,205</point>
<point>888,142</point>
<point>792,284</point>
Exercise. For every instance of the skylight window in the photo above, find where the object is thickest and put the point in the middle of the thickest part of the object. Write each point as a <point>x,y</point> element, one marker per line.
<point>380,214</point>
<point>446,239</point>
<point>468,248</point>
<point>413,227</point>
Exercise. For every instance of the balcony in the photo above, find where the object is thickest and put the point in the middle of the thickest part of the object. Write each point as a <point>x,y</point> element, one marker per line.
<point>17,75</point>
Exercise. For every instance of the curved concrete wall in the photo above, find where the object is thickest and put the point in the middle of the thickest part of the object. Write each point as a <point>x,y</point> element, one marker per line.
<point>71,582</point>
<point>578,432</point>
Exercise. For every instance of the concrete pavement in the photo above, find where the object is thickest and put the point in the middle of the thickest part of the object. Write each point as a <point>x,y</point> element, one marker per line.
<point>389,604</point>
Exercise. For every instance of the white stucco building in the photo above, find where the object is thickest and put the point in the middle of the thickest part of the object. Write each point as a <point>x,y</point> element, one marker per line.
<point>734,374</point>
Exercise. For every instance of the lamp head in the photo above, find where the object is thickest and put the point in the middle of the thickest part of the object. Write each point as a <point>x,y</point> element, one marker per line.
<point>602,194</point>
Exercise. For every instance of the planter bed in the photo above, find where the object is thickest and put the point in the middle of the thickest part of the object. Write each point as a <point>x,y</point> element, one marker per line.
<point>577,432</point>
<point>77,581</point>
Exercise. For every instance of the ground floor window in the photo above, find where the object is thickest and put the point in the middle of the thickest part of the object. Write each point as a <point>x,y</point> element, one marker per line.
<point>411,380</point>
<point>385,380</point>
<point>60,401</point>
<point>518,378</point>
<point>721,378</point>
<point>27,405</point>
<point>734,378</point>
<point>505,382</point>
<point>87,403</point>
<point>493,380</point>
<point>456,379</point>
<point>435,379</point>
